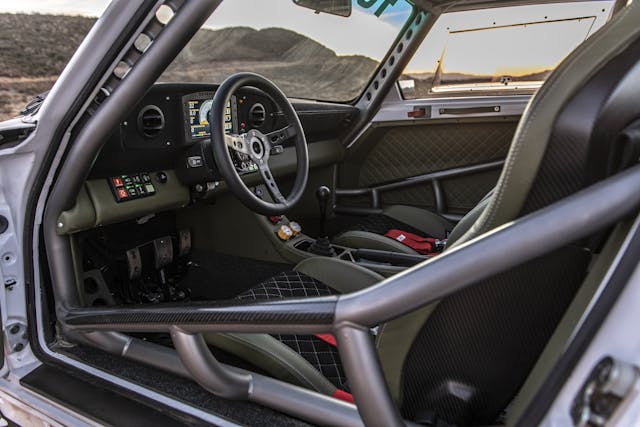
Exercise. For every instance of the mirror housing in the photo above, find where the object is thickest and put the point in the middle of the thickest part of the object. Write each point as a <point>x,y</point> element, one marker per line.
<point>333,7</point>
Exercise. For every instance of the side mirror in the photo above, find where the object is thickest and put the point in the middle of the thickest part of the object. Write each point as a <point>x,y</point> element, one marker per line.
<point>333,7</point>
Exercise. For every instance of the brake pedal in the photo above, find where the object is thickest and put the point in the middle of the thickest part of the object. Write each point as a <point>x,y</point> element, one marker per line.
<point>134,263</point>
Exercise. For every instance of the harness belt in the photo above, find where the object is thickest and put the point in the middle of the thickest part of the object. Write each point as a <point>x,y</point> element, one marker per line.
<point>422,245</point>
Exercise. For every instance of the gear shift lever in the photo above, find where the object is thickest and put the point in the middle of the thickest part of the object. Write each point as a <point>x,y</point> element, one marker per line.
<point>323,193</point>
<point>322,245</point>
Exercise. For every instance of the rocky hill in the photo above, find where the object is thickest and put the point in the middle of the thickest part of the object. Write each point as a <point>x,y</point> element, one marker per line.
<point>35,48</point>
<point>33,51</point>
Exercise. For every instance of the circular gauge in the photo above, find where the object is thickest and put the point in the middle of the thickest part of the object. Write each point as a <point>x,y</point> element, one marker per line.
<point>203,114</point>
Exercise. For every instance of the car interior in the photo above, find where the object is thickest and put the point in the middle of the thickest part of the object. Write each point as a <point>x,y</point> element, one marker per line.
<point>283,261</point>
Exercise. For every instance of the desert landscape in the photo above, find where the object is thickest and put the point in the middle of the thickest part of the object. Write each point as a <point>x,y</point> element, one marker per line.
<point>35,48</point>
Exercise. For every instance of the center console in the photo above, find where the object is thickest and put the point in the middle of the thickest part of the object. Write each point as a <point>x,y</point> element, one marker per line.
<point>296,245</point>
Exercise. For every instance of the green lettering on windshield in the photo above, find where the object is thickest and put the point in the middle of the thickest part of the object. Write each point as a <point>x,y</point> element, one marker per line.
<point>368,3</point>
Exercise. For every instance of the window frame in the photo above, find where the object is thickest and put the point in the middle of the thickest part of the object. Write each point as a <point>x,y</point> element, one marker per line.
<point>606,9</point>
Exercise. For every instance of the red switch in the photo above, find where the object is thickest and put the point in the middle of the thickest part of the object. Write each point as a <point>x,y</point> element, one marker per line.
<point>122,193</point>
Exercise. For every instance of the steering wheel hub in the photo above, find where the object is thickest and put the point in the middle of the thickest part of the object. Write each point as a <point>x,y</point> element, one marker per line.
<point>257,147</point>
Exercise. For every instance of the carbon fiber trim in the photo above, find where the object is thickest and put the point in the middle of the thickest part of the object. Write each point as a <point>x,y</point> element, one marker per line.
<point>479,345</point>
<point>311,313</point>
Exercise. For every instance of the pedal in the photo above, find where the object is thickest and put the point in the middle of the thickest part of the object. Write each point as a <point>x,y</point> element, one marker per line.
<point>162,252</point>
<point>184,242</point>
<point>134,263</point>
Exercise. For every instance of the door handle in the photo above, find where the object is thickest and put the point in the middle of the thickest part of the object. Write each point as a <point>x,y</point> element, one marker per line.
<point>419,112</point>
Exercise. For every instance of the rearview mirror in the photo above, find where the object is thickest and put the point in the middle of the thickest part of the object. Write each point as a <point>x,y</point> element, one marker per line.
<point>334,7</point>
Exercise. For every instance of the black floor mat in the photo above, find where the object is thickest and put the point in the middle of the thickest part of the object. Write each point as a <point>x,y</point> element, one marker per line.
<point>245,413</point>
<point>217,276</point>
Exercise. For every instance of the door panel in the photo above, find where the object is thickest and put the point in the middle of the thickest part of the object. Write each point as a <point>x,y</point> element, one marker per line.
<point>397,159</point>
<point>461,194</point>
<point>406,151</point>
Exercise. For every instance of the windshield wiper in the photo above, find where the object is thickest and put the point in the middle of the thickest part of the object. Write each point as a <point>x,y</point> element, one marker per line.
<point>34,105</point>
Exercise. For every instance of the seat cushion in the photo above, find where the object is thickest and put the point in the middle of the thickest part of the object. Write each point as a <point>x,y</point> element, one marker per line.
<point>378,224</point>
<point>321,355</point>
<point>369,231</point>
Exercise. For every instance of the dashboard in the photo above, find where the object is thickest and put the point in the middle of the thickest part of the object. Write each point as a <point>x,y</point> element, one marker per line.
<point>160,155</point>
<point>170,129</point>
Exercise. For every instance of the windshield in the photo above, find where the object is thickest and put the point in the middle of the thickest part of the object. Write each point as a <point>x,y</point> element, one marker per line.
<point>308,55</point>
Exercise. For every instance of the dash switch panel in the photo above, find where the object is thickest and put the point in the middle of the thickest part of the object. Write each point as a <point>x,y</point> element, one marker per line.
<point>130,187</point>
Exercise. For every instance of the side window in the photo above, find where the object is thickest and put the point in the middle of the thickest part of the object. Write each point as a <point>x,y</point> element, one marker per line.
<point>504,50</point>
<point>37,39</point>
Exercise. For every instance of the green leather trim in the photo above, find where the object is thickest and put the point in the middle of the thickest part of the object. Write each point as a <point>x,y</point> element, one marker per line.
<point>169,195</point>
<point>365,239</point>
<point>534,131</point>
<point>82,216</point>
<point>393,342</point>
<point>468,220</point>
<point>273,357</point>
<point>423,220</point>
<point>343,276</point>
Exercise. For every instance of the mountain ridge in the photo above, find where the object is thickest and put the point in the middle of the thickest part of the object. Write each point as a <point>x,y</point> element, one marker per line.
<point>34,48</point>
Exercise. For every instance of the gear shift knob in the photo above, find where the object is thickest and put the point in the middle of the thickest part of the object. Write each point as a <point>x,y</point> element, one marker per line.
<point>322,245</point>
<point>323,193</point>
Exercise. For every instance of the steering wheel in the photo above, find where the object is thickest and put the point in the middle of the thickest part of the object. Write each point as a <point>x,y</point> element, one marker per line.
<point>257,146</point>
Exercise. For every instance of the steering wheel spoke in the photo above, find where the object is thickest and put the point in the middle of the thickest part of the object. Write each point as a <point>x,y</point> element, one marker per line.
<point>281,135</point>
<point>272,187</point>
<point>237,143</point>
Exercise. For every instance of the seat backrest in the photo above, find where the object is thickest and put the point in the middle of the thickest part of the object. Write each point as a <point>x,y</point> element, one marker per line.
<point>532,140</point>
<point>476,347</point>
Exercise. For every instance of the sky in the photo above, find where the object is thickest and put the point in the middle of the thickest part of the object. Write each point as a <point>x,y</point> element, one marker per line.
<point>531,48</point>
<point>483,48</point>
<point>362,33</point>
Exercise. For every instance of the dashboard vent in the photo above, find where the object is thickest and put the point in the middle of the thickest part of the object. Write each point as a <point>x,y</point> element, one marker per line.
<point>257,115</point>
<point>150,121</point>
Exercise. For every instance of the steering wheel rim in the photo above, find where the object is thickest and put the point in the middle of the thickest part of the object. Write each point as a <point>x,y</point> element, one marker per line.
<point>258,146</point>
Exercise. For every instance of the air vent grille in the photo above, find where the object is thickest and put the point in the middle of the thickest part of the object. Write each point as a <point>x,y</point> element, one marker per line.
<point>257,115</point>
<point>150,121</point>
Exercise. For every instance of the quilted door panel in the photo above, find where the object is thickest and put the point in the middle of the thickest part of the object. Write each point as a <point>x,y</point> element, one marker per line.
<point>395,153</point>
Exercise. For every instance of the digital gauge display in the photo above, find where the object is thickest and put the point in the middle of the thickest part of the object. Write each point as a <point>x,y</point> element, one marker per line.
<point>199,118</point>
